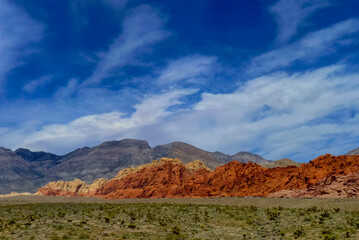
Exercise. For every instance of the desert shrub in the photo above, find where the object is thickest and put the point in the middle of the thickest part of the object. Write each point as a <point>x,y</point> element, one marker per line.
<point>132,226</point>
<point>176,230</point>
<point>84,236</point>
<point>312,209</point>
<point>325,214</point>
<point>329,237</point>
<point>298,233</point>
<point>54,237</point>
<point>272,215</point>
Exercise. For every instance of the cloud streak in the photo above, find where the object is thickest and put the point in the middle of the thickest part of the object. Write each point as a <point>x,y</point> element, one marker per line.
<point>142,28</point>
<point>313,46</point>
<point>34,85</point>
<point>17,32</point>
<point>193,69</point>
<point>290,14</point>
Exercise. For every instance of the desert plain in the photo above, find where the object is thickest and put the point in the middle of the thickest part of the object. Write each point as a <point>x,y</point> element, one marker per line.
<point>48,217</point>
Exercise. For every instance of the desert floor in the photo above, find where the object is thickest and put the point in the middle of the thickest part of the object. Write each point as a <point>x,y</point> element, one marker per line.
<point>37,217</point>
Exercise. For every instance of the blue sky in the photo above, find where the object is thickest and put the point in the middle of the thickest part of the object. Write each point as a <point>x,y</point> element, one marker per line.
<point>277,78</point>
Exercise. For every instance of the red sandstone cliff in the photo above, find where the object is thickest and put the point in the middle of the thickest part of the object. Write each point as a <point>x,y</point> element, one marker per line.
<point>170,178</point>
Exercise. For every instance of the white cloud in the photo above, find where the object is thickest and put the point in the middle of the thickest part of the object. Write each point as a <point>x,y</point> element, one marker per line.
<point>142,28</point>
<point>96,128</point>
<point>290,14</point>
<point>195,69</point>
<point>34,85</point>
<point>310,47</point>
<point>68,90</point>
<point>17,31</point>
<point>277,116</point>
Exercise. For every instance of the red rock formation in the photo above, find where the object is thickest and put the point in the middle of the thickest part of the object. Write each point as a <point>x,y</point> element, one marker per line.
<point>334,186</point>
<point>171,178</point>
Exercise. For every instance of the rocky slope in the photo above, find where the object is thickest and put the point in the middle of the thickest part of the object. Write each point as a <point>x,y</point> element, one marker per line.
<point>353,152</point>
<point>334,186</point>
<point>30,170</point>
<point>171,178</point>
<point>16,173</point>
<point>281,163</point>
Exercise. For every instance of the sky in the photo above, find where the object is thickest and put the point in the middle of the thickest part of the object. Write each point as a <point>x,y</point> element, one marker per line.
<point>277,78</point>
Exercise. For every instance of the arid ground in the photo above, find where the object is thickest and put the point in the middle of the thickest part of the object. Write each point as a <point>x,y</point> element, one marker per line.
<point>37,217</point>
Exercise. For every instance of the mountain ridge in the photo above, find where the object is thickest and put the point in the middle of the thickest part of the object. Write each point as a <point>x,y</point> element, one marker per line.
<point>102,161</point>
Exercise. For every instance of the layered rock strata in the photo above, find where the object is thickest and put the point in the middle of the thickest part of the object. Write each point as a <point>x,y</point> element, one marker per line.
<point>169,178</point>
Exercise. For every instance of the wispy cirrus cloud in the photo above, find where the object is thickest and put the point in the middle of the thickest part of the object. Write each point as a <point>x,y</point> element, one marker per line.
<point>17,32</point>
<point>142,28</point>
<point>193,69</point>
<point>311,47</point>
<point>34,85</point>
<point>290,14</point>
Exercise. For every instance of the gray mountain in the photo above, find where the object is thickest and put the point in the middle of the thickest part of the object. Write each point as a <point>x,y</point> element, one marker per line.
<point>186,153</point>
<point>39,161</point>
<point>353,152</point>
<point>102,161</point>
<point>16,173</point>
<point>24,170</point>
<point>248,157</point>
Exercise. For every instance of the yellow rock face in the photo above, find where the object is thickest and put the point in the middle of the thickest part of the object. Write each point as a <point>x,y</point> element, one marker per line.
<point>14,194</point>
<point>197,164</point>
<point>127,171</point>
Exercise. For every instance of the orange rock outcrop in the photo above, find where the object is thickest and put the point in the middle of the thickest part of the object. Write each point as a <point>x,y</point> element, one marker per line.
<point>169,178</point>
<point>334,186</point>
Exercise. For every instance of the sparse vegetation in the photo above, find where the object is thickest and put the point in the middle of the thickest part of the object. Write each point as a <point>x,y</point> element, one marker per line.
<point>173,221</point>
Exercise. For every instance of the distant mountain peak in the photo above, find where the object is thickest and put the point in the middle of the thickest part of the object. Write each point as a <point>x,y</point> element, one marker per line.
<point>353,152</point>
<point>125,142</point>
<point>2,149</point>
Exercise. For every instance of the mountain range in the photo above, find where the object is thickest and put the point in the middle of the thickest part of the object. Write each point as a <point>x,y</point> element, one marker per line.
<point>25,171</point>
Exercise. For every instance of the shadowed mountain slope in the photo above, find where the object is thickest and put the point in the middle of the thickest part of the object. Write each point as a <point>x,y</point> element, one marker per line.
<point>16,174</point>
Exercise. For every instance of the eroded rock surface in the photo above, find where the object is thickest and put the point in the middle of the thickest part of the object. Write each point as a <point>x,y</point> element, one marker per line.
<point>170,178</point>
<point>334,186</point>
